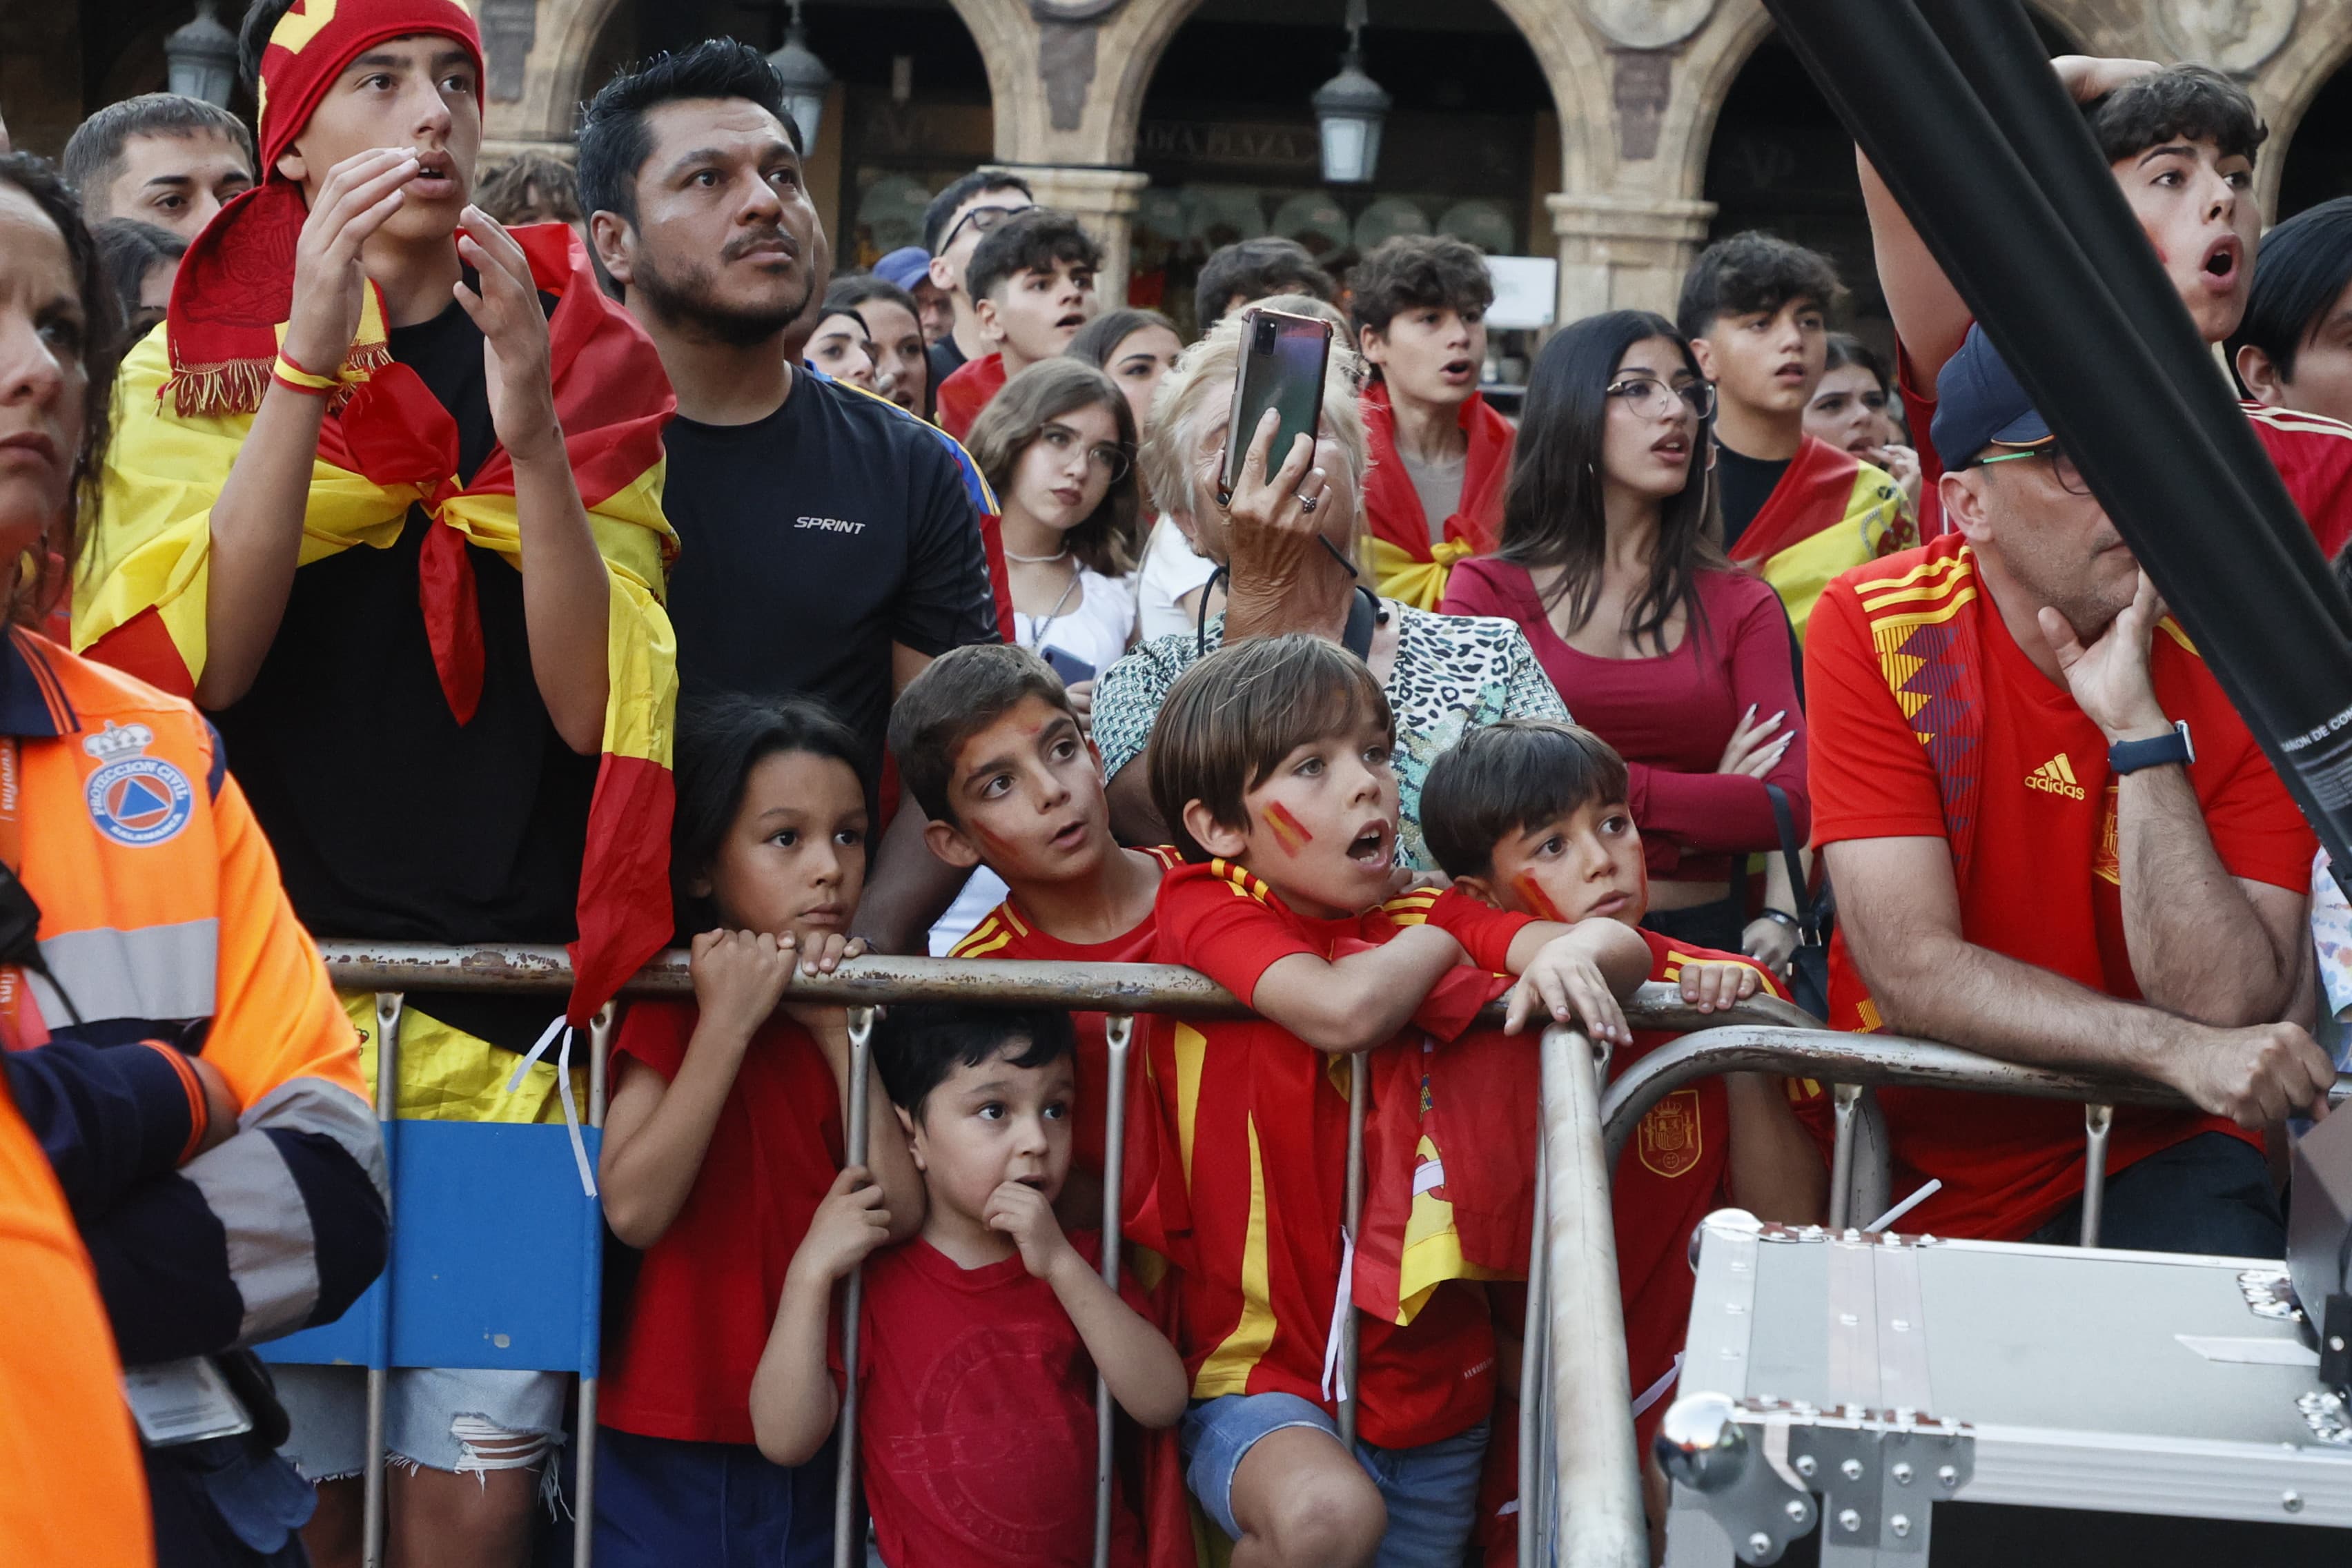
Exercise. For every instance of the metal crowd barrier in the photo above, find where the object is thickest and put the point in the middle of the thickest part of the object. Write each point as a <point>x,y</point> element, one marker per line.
<point>1579,1480</point>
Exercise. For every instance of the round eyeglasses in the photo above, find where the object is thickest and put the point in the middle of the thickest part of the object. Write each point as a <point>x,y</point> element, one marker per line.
<point>1654,399</point>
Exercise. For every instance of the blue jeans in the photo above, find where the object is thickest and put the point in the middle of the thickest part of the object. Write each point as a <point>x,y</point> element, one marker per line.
<point>661,1501</point>
<point>1432,1491</point>
<point>2210,1194</point>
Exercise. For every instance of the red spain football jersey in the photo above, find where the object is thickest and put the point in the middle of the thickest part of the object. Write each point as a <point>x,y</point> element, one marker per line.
<point>1929,721</point>
<point>1260,1133</point>
<point>1007,932</point>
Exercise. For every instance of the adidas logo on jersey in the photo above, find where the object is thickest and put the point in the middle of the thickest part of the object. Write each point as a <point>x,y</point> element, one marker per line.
<point>2055,776</point>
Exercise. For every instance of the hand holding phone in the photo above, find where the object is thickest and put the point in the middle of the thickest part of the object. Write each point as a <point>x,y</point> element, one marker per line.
<point>1282,365</point>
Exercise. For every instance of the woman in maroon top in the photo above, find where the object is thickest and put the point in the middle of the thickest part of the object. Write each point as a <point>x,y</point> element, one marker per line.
<point>1656,642</point>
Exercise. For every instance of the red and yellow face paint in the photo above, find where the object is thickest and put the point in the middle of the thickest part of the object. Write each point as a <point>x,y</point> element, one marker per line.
<point>1289,832</point>
<point>1532,893</point>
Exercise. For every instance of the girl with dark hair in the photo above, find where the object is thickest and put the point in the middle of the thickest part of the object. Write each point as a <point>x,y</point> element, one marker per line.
<point>724,1137</point>
<point>894,339</point>
<point>140,261</point>
<point>1135,348</point>
<point>1655,641</point>
<point>1852,409</point>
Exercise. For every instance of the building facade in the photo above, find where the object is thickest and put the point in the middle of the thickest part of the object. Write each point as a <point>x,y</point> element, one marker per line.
<point>1615,135</point>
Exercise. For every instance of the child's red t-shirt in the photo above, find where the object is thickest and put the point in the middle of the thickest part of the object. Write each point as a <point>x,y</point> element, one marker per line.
<point>1007,932</point>
<point>681,1364</point>
<point>976,1414</point>
<point>1260,1134</point>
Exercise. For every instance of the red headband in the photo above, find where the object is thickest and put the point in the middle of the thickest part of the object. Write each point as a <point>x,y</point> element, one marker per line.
<point>317,38</point>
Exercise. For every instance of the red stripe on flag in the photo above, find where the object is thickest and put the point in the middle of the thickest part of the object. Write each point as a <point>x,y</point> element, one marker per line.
<point>1288,831</point>
<point>624,909</point>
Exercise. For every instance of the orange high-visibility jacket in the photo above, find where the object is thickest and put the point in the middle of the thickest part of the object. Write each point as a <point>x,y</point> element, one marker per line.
<point>166,935</point>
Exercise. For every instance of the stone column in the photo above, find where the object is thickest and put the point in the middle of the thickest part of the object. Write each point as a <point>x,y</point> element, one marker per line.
<point>1104,201</point>
<point>1624,251</point>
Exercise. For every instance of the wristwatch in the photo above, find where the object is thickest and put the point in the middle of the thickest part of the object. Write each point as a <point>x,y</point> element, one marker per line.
<point>2130,756</point>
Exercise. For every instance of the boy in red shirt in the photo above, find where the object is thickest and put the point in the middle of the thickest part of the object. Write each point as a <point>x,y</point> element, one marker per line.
<point>1031,282</point>
<point>1529,817</point>
<point>991,751</point>
<point>982,1337</point>
<point>1270,761</point>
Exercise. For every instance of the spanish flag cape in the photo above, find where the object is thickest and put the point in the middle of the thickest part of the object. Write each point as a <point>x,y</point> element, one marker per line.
<point>186,400</point>
<point>1405,566</point>
<point>1831,511</point>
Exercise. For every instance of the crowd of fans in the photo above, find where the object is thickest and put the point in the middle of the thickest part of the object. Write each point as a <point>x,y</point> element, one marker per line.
<point>404,549</point>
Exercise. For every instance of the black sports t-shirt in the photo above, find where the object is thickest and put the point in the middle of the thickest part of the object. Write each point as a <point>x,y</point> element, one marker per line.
<point>811,541</point>
<point>390,820</point>
<point>1744,485</point>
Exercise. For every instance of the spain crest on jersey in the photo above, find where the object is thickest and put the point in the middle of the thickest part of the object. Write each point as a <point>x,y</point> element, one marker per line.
<point>1668,1138</point>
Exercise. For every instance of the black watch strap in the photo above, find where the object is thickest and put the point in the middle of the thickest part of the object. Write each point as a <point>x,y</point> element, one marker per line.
<point>2130,756</point>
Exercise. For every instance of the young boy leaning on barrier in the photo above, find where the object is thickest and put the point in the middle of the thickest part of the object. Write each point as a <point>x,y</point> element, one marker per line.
<point>980,1338</point>
<point>1529,817</point>
<point>1270,761</point>
<point>991,751</point>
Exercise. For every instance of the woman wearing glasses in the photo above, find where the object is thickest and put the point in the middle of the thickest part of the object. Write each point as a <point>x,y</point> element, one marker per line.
<point>1656,642</point>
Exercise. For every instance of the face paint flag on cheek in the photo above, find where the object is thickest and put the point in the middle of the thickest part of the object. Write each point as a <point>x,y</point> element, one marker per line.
<point>1288,831</point>
<point>1538,903</point>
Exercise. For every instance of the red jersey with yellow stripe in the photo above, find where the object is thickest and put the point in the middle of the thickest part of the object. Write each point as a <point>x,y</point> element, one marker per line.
<point>1259,1124</point>
<point>1928,720</point>
<point>1007,932</point>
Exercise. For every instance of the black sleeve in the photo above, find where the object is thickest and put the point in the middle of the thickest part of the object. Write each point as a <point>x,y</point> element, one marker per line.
<point>108,1118</point>
<point>946,601</point>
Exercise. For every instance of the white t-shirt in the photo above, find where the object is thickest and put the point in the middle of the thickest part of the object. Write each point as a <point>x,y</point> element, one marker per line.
<point>1170,570</point>
<point>1095,627</point>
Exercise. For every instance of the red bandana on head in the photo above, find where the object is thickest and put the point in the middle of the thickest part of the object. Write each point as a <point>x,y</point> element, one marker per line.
<point>235,286</point>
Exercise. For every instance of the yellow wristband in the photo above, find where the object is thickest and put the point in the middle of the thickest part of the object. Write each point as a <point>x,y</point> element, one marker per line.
<point>288,371</point>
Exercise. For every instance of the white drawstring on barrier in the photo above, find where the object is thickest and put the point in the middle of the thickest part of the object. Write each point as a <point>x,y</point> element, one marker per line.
<point>563,1090</point>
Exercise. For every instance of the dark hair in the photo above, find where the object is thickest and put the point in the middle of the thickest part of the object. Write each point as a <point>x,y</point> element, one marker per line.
<point>614,141</point>
<point>1751,273</point>
<point>917,1043</point>
<point>1100,338</point>
<point>253,38</point>
<point>2179,103</point>
<point>958,695</point>
<point>1418,271</point>
<point>1014,418</point>
<point>2301,269</point>
<point>851,290</point>
<point>93,157</point>
<point>129,250</point>
<point>940,210</point>
<point>1036,240</point>
<point>1230,720</point>
<point>1845,349</point>
<point>1552,508</point>
<point>1256,269</point>
<point>1506,777</point>
<point>720,741</point>
<point>101,347</point>
<point>528,180</point>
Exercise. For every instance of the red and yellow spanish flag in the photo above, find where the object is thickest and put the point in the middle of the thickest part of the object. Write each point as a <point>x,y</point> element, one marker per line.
<point>1831,511</point>
<point>186,399</point>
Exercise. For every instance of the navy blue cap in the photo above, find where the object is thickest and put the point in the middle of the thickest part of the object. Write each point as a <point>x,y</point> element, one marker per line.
<point>1979,404</point>
<point>903,266</point>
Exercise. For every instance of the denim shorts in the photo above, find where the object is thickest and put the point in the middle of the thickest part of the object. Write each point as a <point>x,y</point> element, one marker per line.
<point>432,1417</point>
<point>1432,1491</point>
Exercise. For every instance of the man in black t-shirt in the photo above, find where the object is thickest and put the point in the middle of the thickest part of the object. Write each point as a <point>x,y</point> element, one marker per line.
<point>828,544</point>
